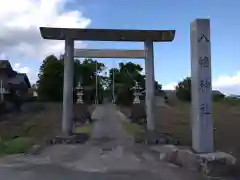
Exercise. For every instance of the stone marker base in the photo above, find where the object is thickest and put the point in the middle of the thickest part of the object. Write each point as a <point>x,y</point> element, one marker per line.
<point>213,164</point>
<point>153,138</point>
<point>73,139</point>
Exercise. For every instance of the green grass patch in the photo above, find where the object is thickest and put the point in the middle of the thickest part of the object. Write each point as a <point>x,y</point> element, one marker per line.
<point>85,129</point>
<point>232,101</point>
<point>133,129</point>
<point>15,146</point>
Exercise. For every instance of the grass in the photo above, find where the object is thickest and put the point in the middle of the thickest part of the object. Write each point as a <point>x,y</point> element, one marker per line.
<point>15,146</point>
<point>85,129</point>
<point>176,120</point>
<point>18,132</point>
<point>133,129</point>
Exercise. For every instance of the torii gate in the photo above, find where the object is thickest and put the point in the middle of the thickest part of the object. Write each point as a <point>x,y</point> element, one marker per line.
<point>70,35</point>
<point>202,129</point>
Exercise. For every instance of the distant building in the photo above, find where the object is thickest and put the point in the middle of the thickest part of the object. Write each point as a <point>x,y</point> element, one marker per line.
<point>11,80</point>
<point>233,96</point>
<point>171,94</point>
<point>216,92</point>
<point>33,90</point>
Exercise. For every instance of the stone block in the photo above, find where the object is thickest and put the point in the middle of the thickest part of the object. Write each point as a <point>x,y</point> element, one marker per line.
<point>217,163</point>
<point>214,164</point>
<point>167,152</point>
<point>188,159</point>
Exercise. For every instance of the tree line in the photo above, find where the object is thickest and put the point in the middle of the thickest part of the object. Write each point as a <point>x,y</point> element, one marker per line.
<point>51,73</point>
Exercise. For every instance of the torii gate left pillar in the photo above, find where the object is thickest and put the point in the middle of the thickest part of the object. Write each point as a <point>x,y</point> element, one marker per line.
<point>67,114</point>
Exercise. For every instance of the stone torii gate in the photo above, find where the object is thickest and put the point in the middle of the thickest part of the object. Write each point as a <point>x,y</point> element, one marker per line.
<point>202,129</point>
<point>70,35</point>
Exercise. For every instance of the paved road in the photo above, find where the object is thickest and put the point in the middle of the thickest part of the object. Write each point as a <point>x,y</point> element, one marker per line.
<point>110,154</point>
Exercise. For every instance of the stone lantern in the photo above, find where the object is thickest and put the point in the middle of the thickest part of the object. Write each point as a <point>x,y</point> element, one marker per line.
<point>136,93</point>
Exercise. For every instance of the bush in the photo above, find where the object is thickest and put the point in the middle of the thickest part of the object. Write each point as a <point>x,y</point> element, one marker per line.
<point>218,97</point>
<point>2,108</point>
<point>32,107</point>
<point>138,114</point>
<point>183,89</point>
<point>124,97</point>
<point>81,114</point>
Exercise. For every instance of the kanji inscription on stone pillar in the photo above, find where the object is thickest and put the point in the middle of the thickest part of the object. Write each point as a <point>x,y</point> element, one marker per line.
<point>202,124</point>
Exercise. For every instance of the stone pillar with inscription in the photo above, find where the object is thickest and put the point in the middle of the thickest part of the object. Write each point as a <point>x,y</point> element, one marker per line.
<point>202,123</point>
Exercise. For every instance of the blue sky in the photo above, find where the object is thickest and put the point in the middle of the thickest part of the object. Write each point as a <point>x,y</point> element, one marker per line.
<point>172,60</point>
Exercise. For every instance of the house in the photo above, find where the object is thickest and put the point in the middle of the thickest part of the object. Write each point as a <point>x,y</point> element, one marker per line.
<point>33,90</point>
<point>11,80</point>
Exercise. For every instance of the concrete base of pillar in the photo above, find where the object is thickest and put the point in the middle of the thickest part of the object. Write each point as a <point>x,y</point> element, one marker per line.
<point>212,164</point>
<point>67,134</point>
<point>151,137</point>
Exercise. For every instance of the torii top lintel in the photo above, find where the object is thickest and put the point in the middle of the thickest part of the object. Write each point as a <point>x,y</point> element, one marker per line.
<point>107,34</point>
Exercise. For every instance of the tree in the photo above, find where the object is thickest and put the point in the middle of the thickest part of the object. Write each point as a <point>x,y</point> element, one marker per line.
<point>51,79</point>
<point>183,89</point>
<point>125,77</point>
<point>86,73</point>
<point>50,83</point>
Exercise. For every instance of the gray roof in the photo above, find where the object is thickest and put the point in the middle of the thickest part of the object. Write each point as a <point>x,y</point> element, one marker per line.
<point>216,92</point>
<point>5,64</point>
<point>20,79</point>
<point>15,78</point>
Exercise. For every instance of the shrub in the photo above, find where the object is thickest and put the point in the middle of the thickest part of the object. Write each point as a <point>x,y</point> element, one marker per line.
<point>138,114</point>
<point>218,97</point>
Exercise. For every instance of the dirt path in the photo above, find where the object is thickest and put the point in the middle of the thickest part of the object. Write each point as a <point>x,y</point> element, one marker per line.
<point>109,126</point>
<point>110,154</point>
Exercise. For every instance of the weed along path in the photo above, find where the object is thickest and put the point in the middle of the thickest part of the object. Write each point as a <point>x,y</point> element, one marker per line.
<point>109,154</point>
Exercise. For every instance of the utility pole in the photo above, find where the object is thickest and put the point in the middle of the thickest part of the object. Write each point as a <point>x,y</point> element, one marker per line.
<point>113,88</point>
<point>2,92</point>
<point>96,100</point>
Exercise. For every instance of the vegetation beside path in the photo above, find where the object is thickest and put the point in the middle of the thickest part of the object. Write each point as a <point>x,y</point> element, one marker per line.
<point>84,129</point>
<point>21,133</point>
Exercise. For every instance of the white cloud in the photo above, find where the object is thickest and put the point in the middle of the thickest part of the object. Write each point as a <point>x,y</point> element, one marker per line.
<point>20,21</point>
<point>169,86</point>
<point>32,75</point>
<point>21,69</point>
<point>225,83</point>
<point>225,80</point>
